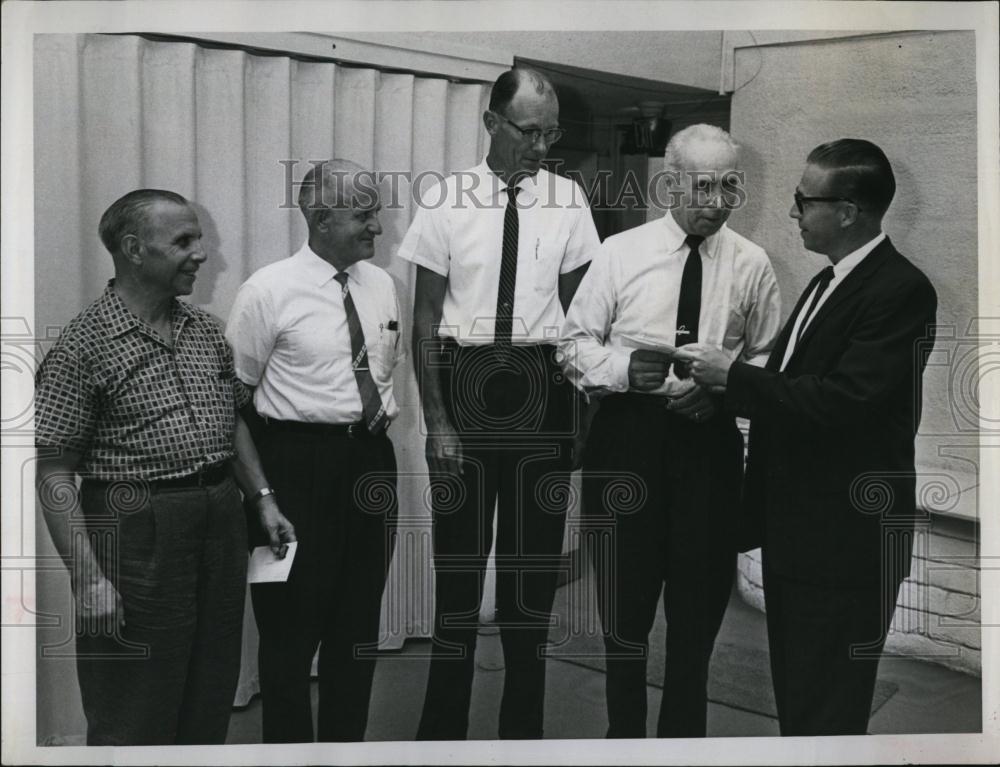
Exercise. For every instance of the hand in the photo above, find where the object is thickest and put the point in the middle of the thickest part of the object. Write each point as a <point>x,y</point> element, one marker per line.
<point>647,369</point>
<point>709,365</point>
<point>280,531</point>
<point>98,602</point>
<point>444,450</point>
<point>694,404</point>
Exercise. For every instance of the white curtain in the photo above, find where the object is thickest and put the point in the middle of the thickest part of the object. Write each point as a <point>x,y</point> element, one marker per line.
<point>118,112</point>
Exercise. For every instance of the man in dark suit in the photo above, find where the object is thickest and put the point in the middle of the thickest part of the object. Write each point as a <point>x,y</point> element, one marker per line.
<point>830,484</point>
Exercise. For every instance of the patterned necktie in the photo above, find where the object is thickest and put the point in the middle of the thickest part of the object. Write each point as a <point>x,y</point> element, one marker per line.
<point>504,326</point>
<point>371,403</point>
<point>689,303</point>
<point>824,282</point>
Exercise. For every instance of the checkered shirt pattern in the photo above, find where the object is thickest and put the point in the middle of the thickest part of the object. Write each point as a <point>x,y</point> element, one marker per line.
<point>113,391</point>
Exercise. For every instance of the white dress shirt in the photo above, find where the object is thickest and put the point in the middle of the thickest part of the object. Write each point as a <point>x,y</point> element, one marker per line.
<point>840,270</point>
<point>628,300</point>
<point>458,233</point>
<point>290,338</point>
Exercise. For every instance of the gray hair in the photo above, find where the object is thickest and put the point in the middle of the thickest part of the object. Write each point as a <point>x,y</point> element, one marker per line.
<point>130,215</point>
<point>676,153</point>
<point>336,183</point>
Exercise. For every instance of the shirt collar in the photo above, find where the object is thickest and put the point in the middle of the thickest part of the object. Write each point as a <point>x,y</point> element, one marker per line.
<point>493,186</point>
<point>675,236</point>
<point>317,270</point>
<point>843,267</point>
<point>119,320</point>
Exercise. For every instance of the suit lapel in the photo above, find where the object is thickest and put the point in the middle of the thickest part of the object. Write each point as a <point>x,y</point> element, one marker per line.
<point>778,352</point>
<point>851,284</point>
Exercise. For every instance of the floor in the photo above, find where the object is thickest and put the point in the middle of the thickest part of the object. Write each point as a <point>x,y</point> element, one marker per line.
<point>913,696</point>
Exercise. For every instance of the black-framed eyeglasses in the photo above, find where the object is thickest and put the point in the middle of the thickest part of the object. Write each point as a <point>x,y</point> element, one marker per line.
<point>800,199</point>
<point>551,136</point>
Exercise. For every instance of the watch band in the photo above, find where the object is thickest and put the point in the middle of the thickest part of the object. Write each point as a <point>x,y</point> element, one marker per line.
<point>262,493</point>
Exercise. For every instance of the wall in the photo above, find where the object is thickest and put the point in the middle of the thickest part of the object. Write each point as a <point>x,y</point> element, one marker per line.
<point>914,94</point>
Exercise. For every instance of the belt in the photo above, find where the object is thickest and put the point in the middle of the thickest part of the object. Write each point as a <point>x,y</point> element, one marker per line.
<point>205,477</point>
<point>356,430</point>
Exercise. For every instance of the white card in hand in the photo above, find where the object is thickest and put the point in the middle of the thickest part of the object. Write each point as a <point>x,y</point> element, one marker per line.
<point>267,568</point>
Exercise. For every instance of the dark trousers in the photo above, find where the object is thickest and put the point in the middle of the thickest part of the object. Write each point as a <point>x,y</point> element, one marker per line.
<point>825,643</point>
<point>661,495</point>
<point>514,414</point>
<point>178,560</point>
<point>340,493</point>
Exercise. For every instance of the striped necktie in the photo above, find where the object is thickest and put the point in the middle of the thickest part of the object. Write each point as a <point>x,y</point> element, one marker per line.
<point>503,329</point>
<point>371,403</point>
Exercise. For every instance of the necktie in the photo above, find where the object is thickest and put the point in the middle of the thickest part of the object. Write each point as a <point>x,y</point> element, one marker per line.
<point>689,303</point>
<point>508,272</point>
<point>824,281</point>
<point>371,403</point>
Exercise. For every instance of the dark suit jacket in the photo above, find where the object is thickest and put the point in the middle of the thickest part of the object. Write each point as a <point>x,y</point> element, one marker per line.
<point>830,476</point>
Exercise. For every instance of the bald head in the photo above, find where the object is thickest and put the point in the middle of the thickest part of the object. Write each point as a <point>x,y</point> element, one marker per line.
<point>512,81</point>
<point>336,183</point>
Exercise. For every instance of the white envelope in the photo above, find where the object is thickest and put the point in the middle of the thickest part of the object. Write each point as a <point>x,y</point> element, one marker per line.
<point>267,568</point>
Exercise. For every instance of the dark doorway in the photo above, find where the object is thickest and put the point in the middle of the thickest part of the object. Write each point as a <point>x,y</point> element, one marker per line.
<point>616,129</point>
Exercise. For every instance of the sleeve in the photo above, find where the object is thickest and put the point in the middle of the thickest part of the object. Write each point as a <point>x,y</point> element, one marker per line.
<point>583,241</point>
<point>251,332</point>
<point>67,400</point>
<point>878,356</point>
<point>241,393</point>
<point>426,242</point>
<point>588,361</point>
<point>400,351</point>
<point>763,320</point>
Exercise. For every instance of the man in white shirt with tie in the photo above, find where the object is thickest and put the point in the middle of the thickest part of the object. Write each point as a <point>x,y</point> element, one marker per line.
<point>830,469</point>
<point>316,335</point>
<point>499,251</point>
<point>663,462</point>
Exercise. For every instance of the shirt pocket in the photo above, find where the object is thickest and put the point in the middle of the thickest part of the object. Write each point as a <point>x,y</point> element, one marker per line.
<point>546,259</point>
<point>382,354</point>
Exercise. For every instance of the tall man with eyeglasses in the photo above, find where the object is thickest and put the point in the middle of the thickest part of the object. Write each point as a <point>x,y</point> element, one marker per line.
<point>497,262</point>
<point>833,417</point>
<point>663,462</point>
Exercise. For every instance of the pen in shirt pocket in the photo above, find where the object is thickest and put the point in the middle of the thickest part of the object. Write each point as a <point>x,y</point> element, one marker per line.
<point>538,241</point>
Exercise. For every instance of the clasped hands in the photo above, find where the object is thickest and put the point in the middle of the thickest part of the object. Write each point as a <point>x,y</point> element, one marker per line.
<point>708,367</point>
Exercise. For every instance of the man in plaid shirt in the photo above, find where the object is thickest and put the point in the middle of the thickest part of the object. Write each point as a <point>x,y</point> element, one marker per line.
<point>139,398</point>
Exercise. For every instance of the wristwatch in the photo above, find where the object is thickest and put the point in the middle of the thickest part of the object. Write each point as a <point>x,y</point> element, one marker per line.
<point>260,494</point>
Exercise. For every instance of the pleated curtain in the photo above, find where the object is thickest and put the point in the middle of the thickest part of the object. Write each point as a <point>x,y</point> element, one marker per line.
<point>224,128</point>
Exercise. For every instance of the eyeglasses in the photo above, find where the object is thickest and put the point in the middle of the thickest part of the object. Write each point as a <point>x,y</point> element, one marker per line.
<point>551,136</point>
<point>800,199</point>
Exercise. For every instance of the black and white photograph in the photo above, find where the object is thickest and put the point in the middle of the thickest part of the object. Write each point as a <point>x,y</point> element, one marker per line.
<point>500,382</point>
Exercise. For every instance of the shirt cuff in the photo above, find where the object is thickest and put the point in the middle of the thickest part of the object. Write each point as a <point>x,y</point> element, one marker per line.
<point>619,365</point>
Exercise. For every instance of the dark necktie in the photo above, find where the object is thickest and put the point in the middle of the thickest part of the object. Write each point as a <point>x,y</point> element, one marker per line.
<point>508,272</point>
<point>824,282</point>
<point>689,303</point>
<point>371,403</point>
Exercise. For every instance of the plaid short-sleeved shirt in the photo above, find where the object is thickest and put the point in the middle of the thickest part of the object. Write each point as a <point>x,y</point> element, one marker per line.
<point>134,408</point>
